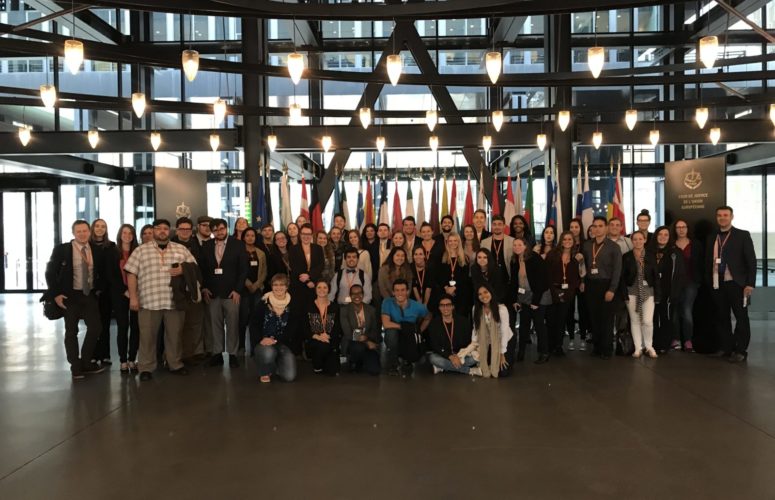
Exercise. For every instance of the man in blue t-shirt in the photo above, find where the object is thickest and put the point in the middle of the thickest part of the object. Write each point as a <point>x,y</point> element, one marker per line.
<point>403,320</point>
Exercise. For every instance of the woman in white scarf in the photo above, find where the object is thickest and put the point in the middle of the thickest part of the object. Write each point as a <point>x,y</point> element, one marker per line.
<point>491,332</point>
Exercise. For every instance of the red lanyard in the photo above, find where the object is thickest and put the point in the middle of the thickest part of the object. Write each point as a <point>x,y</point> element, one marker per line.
<point>497,249</point>
<point>360,318</point>
<point>452,266</point>
<point>595,252</point>
<point>421,278</point>
<point>565,268</point>
<point>450,332</point>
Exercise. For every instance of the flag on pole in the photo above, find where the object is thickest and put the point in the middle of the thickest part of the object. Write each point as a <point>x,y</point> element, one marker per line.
<point>384,217</point>
<point>304,212</point>
<point>517,198</point>
<point>579,192</point>
<point>618,199</point>
<point>368,213</point>
<point>345,209</point>
<point>528,212</point>
<point>444,198</point>
<point>587,212</point>
<point>610,191</point>
<point>557,201</point>
<point>480,203</point>
<point>468,214</point>
<point>509,210</point>
<point>551,216</point>
<point>434,208</point>
<point>268,195</point>
<point>453,205</point>
<point>397,216</point>
<point>259,210</point>
<point>285,203</point>
<point>360,217</point>
<point>421,203</point>
<point>337,199</point>
<point>316,209</point>
<point>496,205</point>
<point>409,199</point>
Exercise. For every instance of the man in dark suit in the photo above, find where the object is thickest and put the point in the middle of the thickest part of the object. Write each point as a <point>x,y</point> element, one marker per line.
<point>224,269</point>
<point>409,228</point>
<point>731,270</point>
<point>361,336</point>
<point>74,280</point>
<point>306,262</point>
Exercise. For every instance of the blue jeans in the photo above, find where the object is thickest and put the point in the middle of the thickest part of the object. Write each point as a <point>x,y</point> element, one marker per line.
<point>446,365</point>
<point>277,359</point>
<point>683,317</point>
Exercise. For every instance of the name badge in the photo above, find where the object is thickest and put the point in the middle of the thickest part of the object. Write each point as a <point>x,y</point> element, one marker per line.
<point>452,282</point>
<point>645,283</point>
<point>521,290</point>
<point>253,263</point>
<point>593,271</point>
<point>347,300</point>
<point>660,275</point>
<point>718,261</point>
<point>218,270</point>
<point>564,286</point>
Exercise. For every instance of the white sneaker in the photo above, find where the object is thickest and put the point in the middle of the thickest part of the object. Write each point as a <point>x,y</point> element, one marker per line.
<point>436,370</point>
<point>582,344</point>
<point>571,345</point>
<point>476,371</point>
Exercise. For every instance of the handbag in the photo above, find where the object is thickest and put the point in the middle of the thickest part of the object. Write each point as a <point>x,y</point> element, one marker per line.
<point>50,308</point>
<point>625,346</point>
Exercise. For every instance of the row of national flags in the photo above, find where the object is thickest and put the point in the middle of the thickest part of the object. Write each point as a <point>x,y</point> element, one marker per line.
<point>372,205</point>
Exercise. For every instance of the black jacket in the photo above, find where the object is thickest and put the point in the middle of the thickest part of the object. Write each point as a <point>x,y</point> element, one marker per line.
<point>537,276</point>
<point>234,265</point>
<point>59,270</point>
<point>186,287</point>
<point>740,257</point>
<point>439,342</point>
<point>650,273</point>
<point>299,264</point>
<point>672,274</point>
<point>292,335</point>
<point>193,246</point>
<point>113,274</point>
<point>336,331</point>
<point>349,322</point>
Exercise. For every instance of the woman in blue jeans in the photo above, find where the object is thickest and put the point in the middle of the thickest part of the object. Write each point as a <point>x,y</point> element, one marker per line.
<point>693,254</point>
<point>275,325</point>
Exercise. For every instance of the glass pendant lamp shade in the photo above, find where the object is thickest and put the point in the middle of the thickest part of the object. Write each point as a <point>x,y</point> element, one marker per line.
<point>215,141</point>
<point>271,141</point>
<point>631,118</point>
<point>155,140</point>
<point>596,60</point>
<point>48,94</point>
<point>715,135</point>
<point>654,137</point>
<point>701,116</point>
<point>772,113</point>
<point>190,61</point>
<point>597,139</point>
<point>708,50</point>
<point>433,142</point>
<point>295,67</point>
<point>73,55</point>
<point>563,119</point>
<point>138,104</point>
<point>497,119</point>
<point>493,62</point>
<point>380,143</point>
<point>326,142</point>
<point>394,68</point>
<point>365,115</point>
<point>219,111</point>
<point>25,134</point>
<point>486,143</point>
<point>294,112</point>
<point>431,119</point>
<point>541,141</point>
<point>94,138</point>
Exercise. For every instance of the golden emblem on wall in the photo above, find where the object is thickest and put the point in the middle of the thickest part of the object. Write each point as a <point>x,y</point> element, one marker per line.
<point>182,210</point>
<point>693,179</point>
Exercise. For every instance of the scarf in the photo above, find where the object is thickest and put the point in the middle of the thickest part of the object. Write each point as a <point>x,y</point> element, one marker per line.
<point>641,297</point>
<point>278,305</point>
<point>489,340</point>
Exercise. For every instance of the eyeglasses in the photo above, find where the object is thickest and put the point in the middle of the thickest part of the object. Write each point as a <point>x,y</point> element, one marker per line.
<point>306,234</point>
<point>184,229</point>
<point>445,305</point>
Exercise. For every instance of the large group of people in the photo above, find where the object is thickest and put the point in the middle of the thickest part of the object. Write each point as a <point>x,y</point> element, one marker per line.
<point>384,300</point>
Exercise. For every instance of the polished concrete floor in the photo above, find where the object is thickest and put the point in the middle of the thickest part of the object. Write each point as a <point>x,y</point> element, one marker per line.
<point>683,426</point>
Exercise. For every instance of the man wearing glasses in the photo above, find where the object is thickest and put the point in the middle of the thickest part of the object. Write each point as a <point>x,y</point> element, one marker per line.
<point>193,324</point>
<point>449,334</point>
<point>306,262</point>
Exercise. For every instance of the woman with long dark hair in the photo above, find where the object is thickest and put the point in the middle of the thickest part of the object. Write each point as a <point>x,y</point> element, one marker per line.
<point>370,243</point>
<point>471,243</point>
<point>547,242</point>
<point>564,283</point>
<point>396,266</point>
<point>364,258</point>
<point>693,254</point>
<point>325,331</point>
<point>484,271</point>
<point>576,229</point>
<point>520,228</point>
<point>491,332</point>
<point>146,233</point>
<point>321,240</point>
<point>99,238</point>
<point>239,227</point>
<point>672,277</point>
<point>277,262</point>
<point>254,283</point>
<point>292,230</point>
<point>530,289</point>
<point>127,327</point>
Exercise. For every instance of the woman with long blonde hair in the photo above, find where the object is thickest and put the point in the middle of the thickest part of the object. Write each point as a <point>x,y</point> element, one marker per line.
<point>453,276</point>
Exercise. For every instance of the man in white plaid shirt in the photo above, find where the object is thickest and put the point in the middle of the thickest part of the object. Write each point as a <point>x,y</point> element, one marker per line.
<point>150,269</point>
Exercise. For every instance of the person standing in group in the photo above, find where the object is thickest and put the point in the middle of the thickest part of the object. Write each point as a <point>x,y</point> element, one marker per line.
<point>731,270</point>
<point>671,270</point>
<point>432,247</point>
<point>603,261</point>
<point>277,260</point>
<point>404,320</point>
<point>146,233</point>
<point>453,276</point>
<point>409,229</point>
<point>150,269</point>
<point>447,228</point>
<point>337,245</point>
<point>564,282</point>
<point>480,225</point>
<point>640,279</point>
<point>371,243</point>
<point>224,269</point>
<point>484,271</point>
<point>264,243</point>
<point>575,228</point>
<point>292,230</point>
<point>203,230</point>
<point>621,314</point>
<point>239,227</point>
<point>547,242</point>
<point>692,252</point>
<point>521,229</point>
<point>361,335</point>
<point>254,285</point>
<point>422,280</point>
<point>99,239</point>
<point>325,332</point>
<point>277,327</point>
<point>364,259</point>
<point>643,221</point>
<point>500,246</point>
<point>615,235</point>
<point>530,296</point>
<point>385,244</point>
<point>470,242</point>
<point>329,259</point>
<point>203,234</point>
<point>448,335</point>
<point>307,262</point>
<point>127,327</point>
<point>349,276</point>
<point>340,222</point>
<point>74,278</point>
<point>491,333</point>
<point>193,325</point>
<point>396,267</point>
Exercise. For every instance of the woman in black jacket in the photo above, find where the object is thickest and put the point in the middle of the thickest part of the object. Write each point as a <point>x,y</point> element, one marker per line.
<point>672,279</point>
<point>453,277</point>
<point>323,332</point>
<point>640,281</point>
<point>564,282</point>
<point>484,271</point>
<point>99,238</point>
<point>530,296</point>
<point>127,327</point>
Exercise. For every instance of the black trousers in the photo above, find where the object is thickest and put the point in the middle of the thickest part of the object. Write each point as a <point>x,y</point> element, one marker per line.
<point>362,358</point>
<point>102,351</point>
<point>86,308</point>
<point>325,356</point>
<point>127,329</point>
<point>247,304</point>
<point>554,319</point>
<point>535,317</point>
<point>663,326</point>
<point>729,298</point>
<point>602,312</point>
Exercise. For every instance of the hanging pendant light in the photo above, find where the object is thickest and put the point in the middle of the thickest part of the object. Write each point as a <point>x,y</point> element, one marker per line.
<point>394,68</point>
<point>48,94</point>
<point>541,141</point>
<point>715,135</point>
<point>654,137</point>
<point>271,141</point>
<point>597,139</point>
<point>701,116</point>
<point>433,142</point>
<point>155,140</point>
<point>365,114</point>
<point>596,60</point>
<point>25,134</point>
<point>94,138</point>
<point>486,143</point>
<point>631,118</point>
<point>326,142</point>
<point>295,66</point>
<point>190,61</point>
<point>215,141</point>
<point>380,143</point>
<point>219,111</point>
<point>563,119</point>
<point>493,61</point>
<point>708,50</point>
<point>138,104</point>
<point>431,119</point>
<point>497,119</point>
<point>772,113</point>
<point>294,111</point>
<point>73,55</point>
